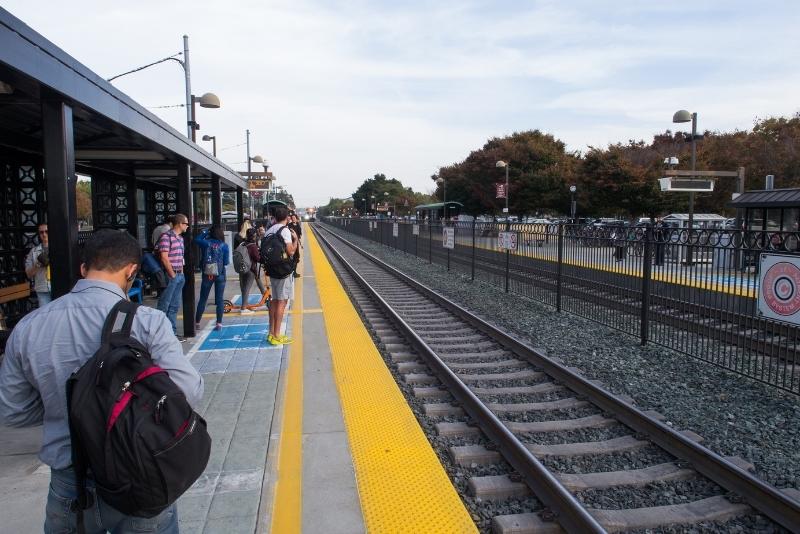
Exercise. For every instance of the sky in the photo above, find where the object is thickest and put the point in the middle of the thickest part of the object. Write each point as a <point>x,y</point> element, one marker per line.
<point>335,92</point>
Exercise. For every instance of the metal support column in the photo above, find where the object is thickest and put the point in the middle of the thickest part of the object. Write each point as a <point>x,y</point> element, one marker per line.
<point>647,270</point>
<point>62,218</point>
<point>185,207</point>
<point>472,267</point>
<point>508,252</point>
<point>216,200</point>
<point>239,206</point>
<point>559,265</point>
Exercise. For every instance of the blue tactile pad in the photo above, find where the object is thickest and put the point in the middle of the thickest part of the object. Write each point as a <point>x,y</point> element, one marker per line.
<point>238,336</point>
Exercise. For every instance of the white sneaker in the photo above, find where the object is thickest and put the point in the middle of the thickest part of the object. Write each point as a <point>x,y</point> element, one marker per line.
<point>245,311</point>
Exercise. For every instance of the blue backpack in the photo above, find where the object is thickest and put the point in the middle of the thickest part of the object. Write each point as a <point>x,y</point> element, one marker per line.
<point>213,264</point>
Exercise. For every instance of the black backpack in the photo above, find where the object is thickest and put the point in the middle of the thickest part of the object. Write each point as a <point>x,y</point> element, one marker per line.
<point>132,426</point>
<point>276,261</point>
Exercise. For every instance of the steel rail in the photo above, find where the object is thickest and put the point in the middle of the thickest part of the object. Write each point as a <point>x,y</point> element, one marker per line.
<point>569,513</point>
<point>762,496</point>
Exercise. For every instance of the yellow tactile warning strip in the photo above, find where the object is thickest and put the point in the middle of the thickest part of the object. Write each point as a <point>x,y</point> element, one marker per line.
<point>287,505</point>
<point>401,483</point>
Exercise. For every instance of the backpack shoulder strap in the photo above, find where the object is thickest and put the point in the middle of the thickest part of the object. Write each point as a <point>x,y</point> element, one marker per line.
<point>128,309</point>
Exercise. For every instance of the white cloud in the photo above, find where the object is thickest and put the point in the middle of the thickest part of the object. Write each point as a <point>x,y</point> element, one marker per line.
<point>335,92</point>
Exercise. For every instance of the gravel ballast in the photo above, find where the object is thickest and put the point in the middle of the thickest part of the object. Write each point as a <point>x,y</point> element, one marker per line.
<point>736,415</point>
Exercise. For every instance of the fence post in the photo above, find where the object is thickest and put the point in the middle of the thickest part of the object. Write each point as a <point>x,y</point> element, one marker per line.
<point>474,222</point>
<point>508,252</point>
<point>647,264</point>
<point>559,265</point>
<point>430,242</point>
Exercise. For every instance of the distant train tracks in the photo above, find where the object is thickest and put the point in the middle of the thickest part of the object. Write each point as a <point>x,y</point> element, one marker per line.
<point>523,424</point>
<point>725,326</point>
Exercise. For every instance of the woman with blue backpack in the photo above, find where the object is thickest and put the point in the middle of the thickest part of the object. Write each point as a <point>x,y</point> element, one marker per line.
<point>214,252</point>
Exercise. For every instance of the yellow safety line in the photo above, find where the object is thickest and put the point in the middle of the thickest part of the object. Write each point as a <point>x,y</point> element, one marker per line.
<point>402,486</point>
<point>287,505</point>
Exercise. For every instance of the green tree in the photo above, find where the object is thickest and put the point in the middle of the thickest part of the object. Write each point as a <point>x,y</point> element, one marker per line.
<point>540,172</point>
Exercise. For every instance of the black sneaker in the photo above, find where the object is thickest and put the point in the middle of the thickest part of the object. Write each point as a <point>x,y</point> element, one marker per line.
<point>183,339</point>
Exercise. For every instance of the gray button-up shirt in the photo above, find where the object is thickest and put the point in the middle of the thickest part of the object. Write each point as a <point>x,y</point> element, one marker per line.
<point>50,343</point>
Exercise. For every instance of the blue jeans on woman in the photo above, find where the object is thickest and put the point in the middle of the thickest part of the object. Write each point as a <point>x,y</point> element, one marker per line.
<point>205,288</point>
<point>100,517</point>
<point>170,300</point>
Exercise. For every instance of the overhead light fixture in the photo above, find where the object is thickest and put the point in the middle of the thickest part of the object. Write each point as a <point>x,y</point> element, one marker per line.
<point>6,88</point>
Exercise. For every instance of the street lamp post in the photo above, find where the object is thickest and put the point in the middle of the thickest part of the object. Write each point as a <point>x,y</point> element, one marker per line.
<point>685,116</point>
<point>364,200</point>
<point>572,204</point>
<point>441,181</point>
<point>502,164</point>
<point>372,198</point>
<point>254,159</point>
<point>212,138</point>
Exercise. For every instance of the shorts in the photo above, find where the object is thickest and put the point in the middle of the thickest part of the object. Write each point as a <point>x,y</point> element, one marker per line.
<point>282,288</point>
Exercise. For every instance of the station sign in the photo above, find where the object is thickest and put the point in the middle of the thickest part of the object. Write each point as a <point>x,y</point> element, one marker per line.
<point>395,229</point>
<point>415,230</point>
<point>678,184</point>
<point>258,185</point>
<point>779,288</point>
<point>449,237</point>
<point>507,240</point>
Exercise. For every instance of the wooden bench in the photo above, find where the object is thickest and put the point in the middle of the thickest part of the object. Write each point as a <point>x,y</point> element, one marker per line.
<point>10,294</point>
<point>15,292</point>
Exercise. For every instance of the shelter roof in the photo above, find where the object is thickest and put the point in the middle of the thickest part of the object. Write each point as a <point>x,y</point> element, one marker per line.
<point>768,198</point>
<point>113,133</point>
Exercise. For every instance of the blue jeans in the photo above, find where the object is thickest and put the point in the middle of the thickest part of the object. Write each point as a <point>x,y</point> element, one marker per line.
<point>219,298</point>
<point>44,297</point>
<point>170,300</point>
<point>100,517</point>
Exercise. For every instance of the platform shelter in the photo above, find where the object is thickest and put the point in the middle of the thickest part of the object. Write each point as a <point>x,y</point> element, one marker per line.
<point>58,120</point>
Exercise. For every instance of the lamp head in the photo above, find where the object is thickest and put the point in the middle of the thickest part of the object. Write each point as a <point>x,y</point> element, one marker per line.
<point>257,159</point>
<point>572,189</point>
<point>440,180</point>
<point>500,164</point>
<point>682,116</point>
<point>209,100</point>
<point>208,137</point>
<point>386,193</point>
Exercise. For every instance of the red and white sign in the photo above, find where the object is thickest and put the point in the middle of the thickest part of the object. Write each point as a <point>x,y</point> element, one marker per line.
<point>507,240</point>
<point>779,288</point>
<point>500,189</point>
<point>449,237</point>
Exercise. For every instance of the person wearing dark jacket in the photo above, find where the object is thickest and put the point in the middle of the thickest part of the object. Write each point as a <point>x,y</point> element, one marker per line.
<point>246,279</point>
<point>294,224</point>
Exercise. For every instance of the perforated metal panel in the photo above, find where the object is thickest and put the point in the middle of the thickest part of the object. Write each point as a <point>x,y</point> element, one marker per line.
<point>23,205</point>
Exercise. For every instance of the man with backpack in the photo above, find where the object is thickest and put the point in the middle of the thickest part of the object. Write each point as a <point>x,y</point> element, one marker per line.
<point>277,256</point>
<point>34,374</point>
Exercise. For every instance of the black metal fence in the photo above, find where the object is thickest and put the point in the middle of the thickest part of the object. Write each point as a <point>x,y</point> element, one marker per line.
<point>695,292</point>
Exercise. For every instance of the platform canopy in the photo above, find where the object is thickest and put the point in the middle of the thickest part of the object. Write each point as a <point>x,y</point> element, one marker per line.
<point>768,198</point>
<point>112,133</point>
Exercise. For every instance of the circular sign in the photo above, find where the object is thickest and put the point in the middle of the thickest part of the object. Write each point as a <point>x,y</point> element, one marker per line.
<point>781,288</point>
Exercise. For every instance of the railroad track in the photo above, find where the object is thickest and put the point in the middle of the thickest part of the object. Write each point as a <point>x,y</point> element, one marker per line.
<point>566,440</point>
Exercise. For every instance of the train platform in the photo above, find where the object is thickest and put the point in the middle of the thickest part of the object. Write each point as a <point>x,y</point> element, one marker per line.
<point>309,437</point>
